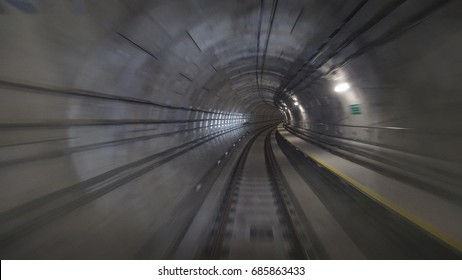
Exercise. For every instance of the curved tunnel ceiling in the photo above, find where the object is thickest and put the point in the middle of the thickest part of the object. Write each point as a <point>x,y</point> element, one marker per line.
<point>244,56</point>
<point>239,52</point>
<point>239,56</point>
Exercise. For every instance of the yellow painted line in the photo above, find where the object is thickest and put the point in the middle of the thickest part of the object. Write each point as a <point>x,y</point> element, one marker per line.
<point>438,233</point>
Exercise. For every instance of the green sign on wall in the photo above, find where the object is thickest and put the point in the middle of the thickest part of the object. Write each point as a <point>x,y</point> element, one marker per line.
<point>355,109</point>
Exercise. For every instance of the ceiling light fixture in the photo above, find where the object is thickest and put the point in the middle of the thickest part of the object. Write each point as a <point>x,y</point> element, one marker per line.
<point>342,87</point>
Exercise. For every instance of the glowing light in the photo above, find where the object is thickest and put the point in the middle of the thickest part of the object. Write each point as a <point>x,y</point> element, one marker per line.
<point>296,103</point>
<point>342,87</point>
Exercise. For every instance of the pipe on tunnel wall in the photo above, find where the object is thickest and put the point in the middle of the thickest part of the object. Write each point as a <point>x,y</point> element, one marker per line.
<point>91,94</point>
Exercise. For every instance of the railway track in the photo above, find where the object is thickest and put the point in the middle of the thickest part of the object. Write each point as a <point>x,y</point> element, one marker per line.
<point>256,219</point>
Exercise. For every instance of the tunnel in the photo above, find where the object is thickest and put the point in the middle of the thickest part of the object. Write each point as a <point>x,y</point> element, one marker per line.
<point>241,129</point>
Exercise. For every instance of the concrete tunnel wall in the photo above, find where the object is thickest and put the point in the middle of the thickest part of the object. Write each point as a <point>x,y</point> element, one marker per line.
<point>89,88</point>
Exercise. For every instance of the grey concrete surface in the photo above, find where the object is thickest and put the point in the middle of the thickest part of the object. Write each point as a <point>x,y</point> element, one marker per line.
<point>108,108</point>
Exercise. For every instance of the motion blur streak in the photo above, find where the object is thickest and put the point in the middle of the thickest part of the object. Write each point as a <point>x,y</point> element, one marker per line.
<point>241,129</point>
